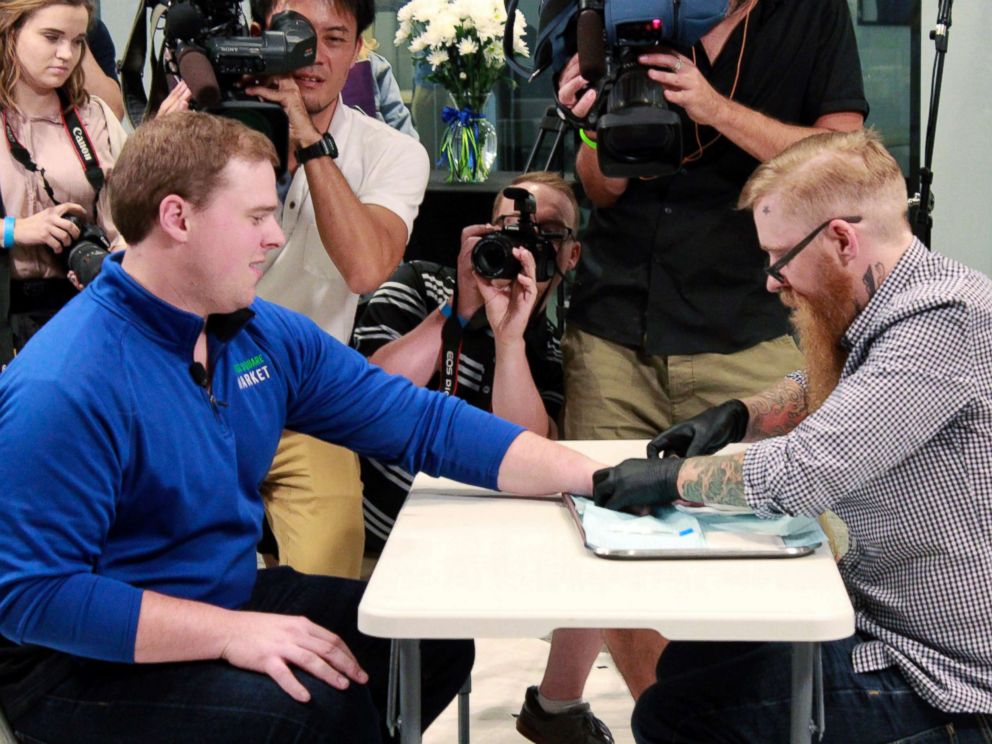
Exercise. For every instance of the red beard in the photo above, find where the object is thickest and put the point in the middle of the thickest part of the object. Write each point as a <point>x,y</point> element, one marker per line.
<point>821,319</point>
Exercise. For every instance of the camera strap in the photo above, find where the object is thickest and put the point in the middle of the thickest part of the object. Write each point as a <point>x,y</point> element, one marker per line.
<point>452,334</point>
<point>451,352</point>
<point>451,348</point>
<point>81,143</point>
<point>140,106</point>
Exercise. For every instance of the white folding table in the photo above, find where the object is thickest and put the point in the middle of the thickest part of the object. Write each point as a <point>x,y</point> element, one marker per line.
<point>464,565</point>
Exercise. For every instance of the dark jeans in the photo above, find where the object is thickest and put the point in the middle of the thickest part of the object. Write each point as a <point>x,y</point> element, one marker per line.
<point>211,701</point>
<point>741,692</point>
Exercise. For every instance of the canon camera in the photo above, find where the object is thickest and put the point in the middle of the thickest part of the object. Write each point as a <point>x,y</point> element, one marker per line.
<point>86,253</point>
<point>492,256</point>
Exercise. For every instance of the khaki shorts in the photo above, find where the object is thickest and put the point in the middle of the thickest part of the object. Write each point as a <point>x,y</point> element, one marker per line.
<point>313,498</point>
<point>613,392</point>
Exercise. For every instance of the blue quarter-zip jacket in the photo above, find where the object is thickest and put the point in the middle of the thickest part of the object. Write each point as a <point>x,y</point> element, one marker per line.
<point>121,473</point>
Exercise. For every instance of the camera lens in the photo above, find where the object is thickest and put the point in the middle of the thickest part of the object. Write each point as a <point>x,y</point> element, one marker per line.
<point>86,253</point>
<point>492,257</point>
<point>86,259</point>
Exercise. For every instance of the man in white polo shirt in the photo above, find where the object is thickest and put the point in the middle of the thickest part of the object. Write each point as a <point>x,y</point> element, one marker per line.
<point>349,200</point>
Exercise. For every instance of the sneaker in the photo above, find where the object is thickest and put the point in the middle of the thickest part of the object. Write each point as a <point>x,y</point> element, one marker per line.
<point>575,726</point>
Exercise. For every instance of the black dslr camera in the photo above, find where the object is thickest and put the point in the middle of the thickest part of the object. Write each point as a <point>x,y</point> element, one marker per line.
<point>492,256</point>
<point>638,134</point>
<point>86,253</point>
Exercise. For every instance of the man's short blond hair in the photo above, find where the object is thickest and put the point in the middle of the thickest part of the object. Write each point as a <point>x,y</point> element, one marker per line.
<point>545,178</point>
<point>831,175</point>
<point>184,154</point>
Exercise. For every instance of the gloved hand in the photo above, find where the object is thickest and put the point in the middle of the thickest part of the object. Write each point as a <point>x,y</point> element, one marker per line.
<point>703,434</point>
<point>635,482</point>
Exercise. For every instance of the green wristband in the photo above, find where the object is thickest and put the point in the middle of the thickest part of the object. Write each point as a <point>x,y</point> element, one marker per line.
<point>588,140</point>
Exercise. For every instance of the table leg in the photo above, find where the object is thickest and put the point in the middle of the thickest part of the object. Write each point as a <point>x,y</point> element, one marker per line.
<point>464,714</point>
<point>802,692</point>
<point>409,691</point>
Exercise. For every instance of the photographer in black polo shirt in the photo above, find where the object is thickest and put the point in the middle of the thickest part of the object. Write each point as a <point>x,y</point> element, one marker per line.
<point>669,313</point>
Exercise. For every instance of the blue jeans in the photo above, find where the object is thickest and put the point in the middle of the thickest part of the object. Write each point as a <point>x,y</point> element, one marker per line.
<point>741,692</point>
<point>212,701</point>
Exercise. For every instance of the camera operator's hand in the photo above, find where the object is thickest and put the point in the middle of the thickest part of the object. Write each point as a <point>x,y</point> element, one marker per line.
<point>49,227</point>
<point>574,94</point>
<point>469,297</point>
<point>684,85</point>
<point>636,484</point>
<point>177,100</point>
<point>704,434</point>
<point>509,305</point>
<point>571,85</point>
<point>284,91</point>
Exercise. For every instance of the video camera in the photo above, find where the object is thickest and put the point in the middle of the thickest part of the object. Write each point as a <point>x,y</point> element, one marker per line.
<point>208,45</point>
<point>638,134</point>
<point>492,256</point>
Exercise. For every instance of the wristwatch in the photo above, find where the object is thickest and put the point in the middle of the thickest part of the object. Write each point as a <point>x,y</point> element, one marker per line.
<point>323,147</point>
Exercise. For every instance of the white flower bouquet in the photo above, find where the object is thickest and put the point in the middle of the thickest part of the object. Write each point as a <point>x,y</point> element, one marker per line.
<point>462,41</point>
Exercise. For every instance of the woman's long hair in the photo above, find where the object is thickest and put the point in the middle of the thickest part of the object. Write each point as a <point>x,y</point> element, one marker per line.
<point>13,15</point>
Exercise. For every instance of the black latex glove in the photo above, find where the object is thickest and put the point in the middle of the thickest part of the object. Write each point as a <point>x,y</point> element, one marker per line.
<point>635,483</point>
<point>704,434</point>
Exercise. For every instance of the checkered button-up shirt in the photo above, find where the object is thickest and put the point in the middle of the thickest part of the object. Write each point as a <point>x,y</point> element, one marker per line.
<point>901,451</point>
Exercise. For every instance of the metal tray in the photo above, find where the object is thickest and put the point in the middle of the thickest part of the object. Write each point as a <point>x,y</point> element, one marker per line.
<point>767,551</point>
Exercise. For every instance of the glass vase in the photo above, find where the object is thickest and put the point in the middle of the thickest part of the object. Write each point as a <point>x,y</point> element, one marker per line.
<point>468,144</point>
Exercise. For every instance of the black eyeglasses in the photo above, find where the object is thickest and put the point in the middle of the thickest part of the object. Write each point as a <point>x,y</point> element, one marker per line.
<point>775,270</point>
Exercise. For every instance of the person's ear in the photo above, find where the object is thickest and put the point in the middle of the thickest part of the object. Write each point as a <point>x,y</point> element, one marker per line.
<point>359,48</point>
<point>574,248</point>
<point>173,214</point>
<point>255,29</point>
<point>847,241</point>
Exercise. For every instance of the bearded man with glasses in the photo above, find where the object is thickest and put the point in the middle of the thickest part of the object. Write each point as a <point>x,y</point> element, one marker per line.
<point>889,427</point>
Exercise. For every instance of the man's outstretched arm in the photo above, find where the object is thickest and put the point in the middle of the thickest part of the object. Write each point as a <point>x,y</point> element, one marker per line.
<point>534,465</point>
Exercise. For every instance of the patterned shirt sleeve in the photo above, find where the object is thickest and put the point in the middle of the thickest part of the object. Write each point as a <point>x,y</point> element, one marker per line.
<point>913,380</point>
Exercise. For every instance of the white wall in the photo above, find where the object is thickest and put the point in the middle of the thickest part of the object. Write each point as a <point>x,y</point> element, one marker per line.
<point>119,15</point>
<point>962,156</point>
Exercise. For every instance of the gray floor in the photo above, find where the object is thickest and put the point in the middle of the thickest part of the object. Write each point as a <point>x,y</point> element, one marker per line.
<point>503,670</point>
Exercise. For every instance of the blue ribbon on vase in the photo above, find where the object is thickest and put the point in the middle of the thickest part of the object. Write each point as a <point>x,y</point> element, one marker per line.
<point>466,115</point>
<point>468,119</point>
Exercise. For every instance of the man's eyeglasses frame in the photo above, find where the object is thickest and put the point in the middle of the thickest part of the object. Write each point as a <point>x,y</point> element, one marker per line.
<point>775,269</point>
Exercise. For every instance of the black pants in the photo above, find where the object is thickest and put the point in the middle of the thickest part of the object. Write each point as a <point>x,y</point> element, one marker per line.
<point>212,701</point>
<point>32,303</point>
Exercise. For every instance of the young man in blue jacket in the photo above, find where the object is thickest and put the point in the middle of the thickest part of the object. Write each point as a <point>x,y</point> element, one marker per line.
<point>136,429</point>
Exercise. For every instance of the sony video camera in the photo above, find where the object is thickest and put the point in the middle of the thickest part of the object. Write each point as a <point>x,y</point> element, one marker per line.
<point>492,256</point>
<point>209,46</point>
<point>638,134</point>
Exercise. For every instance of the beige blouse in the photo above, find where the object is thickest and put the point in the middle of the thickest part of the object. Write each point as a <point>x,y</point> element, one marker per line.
<point>24,193</point>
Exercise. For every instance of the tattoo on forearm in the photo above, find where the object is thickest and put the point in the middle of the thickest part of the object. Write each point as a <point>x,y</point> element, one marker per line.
<point>775,412</point>
<point>714,480</point>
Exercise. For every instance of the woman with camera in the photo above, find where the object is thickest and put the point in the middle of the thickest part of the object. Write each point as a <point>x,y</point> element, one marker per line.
<point>58,144</point>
